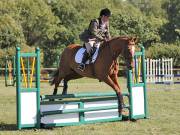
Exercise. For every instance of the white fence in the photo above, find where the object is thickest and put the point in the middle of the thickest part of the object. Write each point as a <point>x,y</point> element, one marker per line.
<point>159,70</point>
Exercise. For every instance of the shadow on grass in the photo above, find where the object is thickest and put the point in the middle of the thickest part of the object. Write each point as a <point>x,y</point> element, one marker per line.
<point>13,127</point>
<point>7,127</point>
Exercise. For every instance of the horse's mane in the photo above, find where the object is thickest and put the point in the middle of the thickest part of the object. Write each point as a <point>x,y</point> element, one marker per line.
<point>106,44</point>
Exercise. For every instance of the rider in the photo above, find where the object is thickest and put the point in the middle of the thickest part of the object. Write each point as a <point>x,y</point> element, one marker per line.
<point>97,32</point>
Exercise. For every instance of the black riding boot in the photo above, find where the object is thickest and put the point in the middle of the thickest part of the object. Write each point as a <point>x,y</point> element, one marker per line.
<point>84,59</point>
<point>93,50</point>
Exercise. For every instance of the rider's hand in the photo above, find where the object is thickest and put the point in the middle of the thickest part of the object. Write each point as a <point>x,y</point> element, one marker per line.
<point>106,39</point>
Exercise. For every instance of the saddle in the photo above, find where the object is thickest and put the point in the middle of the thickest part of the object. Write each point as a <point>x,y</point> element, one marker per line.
<point>79,55</point>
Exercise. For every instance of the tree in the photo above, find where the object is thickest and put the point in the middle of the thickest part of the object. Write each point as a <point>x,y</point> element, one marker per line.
<point>170,32</point>
<point>71,19</point>
<point>160,50</point>
<point>54,24</point>
<point>11,33</point>
<point>130,25</point>
<point>38,24</point>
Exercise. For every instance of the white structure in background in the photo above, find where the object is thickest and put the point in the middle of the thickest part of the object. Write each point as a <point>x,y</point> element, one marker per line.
<point>159,70</point>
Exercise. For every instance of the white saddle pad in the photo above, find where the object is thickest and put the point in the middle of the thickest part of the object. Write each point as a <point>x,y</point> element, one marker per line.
<point>79,55</point>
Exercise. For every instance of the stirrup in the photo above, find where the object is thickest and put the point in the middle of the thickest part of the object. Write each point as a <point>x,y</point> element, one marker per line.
<point>81,67</point>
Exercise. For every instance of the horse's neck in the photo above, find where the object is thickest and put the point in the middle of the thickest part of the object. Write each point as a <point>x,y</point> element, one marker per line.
<point>113,50</point>
<point>107,53</point>
<point>115,47</point>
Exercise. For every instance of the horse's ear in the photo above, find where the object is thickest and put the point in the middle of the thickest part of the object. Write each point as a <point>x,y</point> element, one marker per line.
<point>135,39</point>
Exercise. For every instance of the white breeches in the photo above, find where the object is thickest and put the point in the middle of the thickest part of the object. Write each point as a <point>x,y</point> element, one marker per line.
<point>90,44</point>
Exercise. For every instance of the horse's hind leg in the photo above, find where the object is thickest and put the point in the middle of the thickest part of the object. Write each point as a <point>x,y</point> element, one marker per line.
<point>69,77</point>
<point>61,75</point>
<point>65,87</point>
<point>56,86</point>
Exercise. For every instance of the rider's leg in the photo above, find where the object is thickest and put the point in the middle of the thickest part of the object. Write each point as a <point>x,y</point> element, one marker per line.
<point>94,48</point>
<point>84,59</point>
<point>90,49</point>
<point>85,55</point>
<point>89,46</point>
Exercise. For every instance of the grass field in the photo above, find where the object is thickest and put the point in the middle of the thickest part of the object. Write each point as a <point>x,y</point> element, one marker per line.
<point>163,103</point>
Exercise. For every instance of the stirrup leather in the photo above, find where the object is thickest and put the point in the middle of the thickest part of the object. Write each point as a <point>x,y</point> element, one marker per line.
<point>81,67</point>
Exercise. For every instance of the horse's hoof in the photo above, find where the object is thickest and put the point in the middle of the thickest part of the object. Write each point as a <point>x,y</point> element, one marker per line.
<point>133,120</point>
<point>123,112</point>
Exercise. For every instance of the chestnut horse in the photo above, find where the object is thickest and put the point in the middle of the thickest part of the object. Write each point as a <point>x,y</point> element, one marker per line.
<point>105,68</point>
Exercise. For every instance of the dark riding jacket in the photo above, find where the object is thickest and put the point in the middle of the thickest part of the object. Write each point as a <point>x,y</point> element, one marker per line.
<point>96,30</point>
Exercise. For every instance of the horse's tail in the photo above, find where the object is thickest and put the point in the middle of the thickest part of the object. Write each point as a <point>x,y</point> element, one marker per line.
<point>55,77</point>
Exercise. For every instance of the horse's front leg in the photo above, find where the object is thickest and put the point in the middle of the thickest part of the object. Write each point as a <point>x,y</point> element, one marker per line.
<point>114,78</point>
<point>118,91</point>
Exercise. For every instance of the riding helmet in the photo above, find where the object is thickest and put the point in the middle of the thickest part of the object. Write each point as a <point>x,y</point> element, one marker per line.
<point>105,12</point>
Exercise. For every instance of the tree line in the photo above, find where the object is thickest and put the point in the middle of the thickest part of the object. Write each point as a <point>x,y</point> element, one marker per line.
<point>54,24</point>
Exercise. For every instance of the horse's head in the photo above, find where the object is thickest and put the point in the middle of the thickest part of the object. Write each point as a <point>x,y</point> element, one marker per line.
<point>129,52</point>
<point>124,46</point>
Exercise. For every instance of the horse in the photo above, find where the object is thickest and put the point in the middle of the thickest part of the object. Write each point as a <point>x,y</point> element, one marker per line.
<point>105,68</point>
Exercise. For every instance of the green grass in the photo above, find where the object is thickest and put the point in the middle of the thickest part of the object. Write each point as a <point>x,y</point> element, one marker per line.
<point>163,103</point>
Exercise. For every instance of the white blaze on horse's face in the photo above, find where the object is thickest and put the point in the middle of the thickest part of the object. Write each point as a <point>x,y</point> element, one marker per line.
<point>133,50</point>
<point>132,46</point>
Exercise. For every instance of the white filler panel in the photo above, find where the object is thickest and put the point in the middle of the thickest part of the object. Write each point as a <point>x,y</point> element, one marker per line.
<point>102,114</point>
<point>59,118</point>
<point>138,101</point>
<point>28,108</point>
